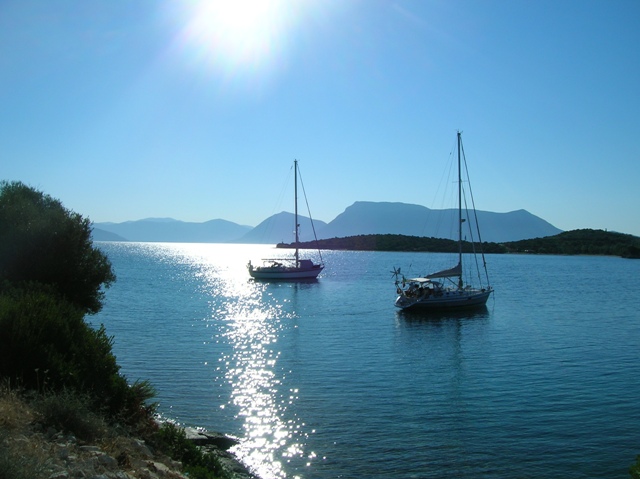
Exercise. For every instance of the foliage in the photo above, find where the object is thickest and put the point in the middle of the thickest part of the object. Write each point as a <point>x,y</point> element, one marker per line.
<point>634,470</point>
<point>391,242</point>
<point>585,241</point>
<point>172,440</point>
<point>45,345</point>
<point>591,242</point>
<point>51,276</point>
<point>70,412</point>
<point>43,242</point>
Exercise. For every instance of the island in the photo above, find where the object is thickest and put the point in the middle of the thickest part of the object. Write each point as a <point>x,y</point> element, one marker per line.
<point>575,242</point>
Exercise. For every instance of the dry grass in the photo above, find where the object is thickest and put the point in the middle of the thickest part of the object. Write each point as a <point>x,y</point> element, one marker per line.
<point>32,436</point>
<point>22,454</point>
<point>15,415</point>
<point>37,439</point>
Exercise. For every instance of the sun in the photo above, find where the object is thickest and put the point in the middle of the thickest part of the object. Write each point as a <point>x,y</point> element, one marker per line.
<point>237,34</point>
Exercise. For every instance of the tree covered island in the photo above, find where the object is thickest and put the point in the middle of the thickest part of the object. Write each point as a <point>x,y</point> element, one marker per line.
<point>576,242</point>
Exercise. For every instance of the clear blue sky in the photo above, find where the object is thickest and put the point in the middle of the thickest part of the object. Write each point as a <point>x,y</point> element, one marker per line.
<point>196,110</point>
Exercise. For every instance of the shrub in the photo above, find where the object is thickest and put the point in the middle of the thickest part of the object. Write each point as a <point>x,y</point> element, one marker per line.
<point>43,242</point>
<point>51,276</point>
<point>634,470</point>
<point>45,345</point>
<point>70,412</point>
<point>172,440</point>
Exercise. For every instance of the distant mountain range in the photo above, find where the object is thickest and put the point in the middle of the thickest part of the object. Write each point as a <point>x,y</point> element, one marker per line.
<point>361,218</point>
<point>168,230</point>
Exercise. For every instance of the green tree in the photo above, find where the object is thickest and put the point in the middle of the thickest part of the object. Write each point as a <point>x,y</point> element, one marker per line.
<point>43,242</point>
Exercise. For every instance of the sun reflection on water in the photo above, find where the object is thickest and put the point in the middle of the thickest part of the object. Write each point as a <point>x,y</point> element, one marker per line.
<point>251,317</point>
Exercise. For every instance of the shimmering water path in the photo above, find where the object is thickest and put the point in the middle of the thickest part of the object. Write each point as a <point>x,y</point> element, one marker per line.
<point>329,380</point>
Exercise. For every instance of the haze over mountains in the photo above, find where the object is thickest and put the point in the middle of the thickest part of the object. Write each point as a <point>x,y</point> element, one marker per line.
<point>361,218</point>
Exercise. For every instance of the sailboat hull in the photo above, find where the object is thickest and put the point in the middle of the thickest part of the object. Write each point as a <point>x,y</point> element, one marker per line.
<point>285,273</point>
<point>446,301</point>
<point>295,269</point>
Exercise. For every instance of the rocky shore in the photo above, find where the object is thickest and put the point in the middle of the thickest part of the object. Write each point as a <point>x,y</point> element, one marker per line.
<point>28,452</point>
<point>219,444</point>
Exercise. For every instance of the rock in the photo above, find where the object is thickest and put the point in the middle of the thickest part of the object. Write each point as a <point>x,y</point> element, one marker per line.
<point>195,436</point>
<point>108,462</point>
<point>232,467</point>
<point>146,474</point>
<point>119,475</point>
<point>206,438</point>
<point>141,448</point>
<point>90,449</point>
<point>63,453</point>
<point>122,475</point>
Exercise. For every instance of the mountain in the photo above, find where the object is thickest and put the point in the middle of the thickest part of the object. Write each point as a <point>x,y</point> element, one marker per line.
<point>170,230</point>
<point>98,234</point>
<point>364,218</point>
<point>361,218</point>
<point>279,228</point>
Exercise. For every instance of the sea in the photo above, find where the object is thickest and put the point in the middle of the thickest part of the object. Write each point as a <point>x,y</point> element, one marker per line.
<point>328,379</point>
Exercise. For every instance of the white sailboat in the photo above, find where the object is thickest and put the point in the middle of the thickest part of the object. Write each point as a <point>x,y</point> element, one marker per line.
<point>445,289</point>
<point>288,269</point>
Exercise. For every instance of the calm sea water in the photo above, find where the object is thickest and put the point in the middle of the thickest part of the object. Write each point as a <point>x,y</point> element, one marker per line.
<point>330,380</point>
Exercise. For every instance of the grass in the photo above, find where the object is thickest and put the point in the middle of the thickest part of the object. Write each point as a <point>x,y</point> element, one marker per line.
<point>20,454</point>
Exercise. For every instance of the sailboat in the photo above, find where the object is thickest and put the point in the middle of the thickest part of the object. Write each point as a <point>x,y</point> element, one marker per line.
<point>446,289</point>
<point>288,269</point>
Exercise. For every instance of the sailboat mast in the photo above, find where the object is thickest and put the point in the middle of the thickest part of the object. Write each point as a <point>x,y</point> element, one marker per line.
<point>295,198</point>
<point>459,212</point>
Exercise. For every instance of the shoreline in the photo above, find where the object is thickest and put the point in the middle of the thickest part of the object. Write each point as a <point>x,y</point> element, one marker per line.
<point>219,444</point>
<point>29,448</point>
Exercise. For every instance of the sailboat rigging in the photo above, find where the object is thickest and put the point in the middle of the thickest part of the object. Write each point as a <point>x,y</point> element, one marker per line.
<point>293,269</point>
<point>445,289</point>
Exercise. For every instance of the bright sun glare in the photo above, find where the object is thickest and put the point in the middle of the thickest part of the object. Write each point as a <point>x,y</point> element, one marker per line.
<point>238,34</point>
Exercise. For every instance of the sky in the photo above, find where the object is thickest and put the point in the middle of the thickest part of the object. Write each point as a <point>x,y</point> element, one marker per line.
<point>196,110</point>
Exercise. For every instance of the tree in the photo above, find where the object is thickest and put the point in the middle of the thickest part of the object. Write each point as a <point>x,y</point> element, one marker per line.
<point>42,242</point>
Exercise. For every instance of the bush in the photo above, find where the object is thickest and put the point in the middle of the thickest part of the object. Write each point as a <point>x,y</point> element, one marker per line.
<point>172,440</point>
<point>43,242</point>
<point>45,345</point>
<point>51,276</point>
<point>71,413</point>
<point>634,470</point>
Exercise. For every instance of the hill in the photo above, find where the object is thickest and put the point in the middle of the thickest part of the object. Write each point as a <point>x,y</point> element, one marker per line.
<point>586,241</point>
<point>361,218</point>
<point>98,234</point>
<point>279,228</point>
<point>170,230</point>
<point>365,218</point>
